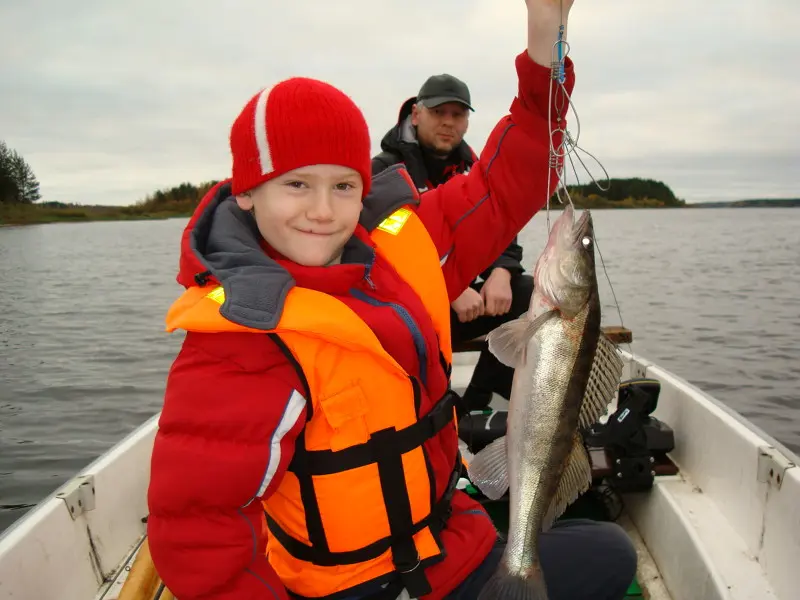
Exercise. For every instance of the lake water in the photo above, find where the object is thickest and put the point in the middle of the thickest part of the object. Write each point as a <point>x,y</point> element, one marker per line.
<point>713,295</point>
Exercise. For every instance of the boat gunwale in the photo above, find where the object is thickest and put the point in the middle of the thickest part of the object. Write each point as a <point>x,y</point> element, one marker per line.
<point>728,410</point>
<point>756,514</point>
<point>34,512</point>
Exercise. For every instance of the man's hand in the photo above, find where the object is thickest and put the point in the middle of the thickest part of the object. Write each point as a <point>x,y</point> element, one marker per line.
<point>496,292</point>
<point>468,306</point>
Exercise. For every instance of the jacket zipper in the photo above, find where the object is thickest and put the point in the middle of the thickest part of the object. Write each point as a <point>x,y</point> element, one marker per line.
<point>368,270</point>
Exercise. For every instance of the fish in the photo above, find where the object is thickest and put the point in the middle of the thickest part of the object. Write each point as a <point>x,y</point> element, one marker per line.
<point>541,460</point>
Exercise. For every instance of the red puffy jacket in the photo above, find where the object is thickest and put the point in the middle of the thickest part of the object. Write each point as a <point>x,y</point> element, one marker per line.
<point>227,392</point>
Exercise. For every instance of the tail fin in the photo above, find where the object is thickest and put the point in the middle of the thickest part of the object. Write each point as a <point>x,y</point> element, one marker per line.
<point>502,586</point>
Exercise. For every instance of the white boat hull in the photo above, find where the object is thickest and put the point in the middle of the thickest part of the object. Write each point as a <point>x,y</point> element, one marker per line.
<point>721,529</point>
<point>49,555</point>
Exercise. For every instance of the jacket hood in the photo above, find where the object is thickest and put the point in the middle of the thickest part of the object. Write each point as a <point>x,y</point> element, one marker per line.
<point>403,131</point>
<point>221,244</point>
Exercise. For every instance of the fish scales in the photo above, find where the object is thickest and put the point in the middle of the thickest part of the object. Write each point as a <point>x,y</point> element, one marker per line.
<point>543,427</point>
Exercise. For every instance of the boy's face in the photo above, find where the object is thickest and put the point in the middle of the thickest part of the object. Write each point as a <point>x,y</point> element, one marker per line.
<point>308,214</point>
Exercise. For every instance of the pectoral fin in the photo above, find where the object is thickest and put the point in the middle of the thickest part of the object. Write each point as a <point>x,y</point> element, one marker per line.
<point>508,342</point>
<point>488,470</point>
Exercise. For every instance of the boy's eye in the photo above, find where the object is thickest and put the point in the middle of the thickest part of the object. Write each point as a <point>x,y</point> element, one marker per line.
<point>295,184</point>
<point>343,187</point>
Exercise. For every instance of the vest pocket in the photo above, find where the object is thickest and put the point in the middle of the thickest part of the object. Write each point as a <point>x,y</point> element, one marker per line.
<point>345,412</point>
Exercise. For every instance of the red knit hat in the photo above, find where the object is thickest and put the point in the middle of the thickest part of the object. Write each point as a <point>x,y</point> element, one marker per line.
<point>296,123</point>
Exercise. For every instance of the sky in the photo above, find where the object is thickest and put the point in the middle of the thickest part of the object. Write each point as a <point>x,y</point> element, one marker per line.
<point>110,101</point>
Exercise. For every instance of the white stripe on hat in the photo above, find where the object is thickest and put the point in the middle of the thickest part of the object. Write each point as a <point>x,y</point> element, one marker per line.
<point>262,142</point>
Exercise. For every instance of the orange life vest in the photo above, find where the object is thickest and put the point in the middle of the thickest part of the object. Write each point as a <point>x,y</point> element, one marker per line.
<point>356,505</point>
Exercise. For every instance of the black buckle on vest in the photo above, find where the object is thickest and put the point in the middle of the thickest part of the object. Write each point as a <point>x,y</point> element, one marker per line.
<point>401,566</point>
<point>444,508</point>
<point>414,580</point>
<point>440,415</point>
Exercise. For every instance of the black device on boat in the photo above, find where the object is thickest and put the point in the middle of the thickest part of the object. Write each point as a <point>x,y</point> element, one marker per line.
<point>632,439</point>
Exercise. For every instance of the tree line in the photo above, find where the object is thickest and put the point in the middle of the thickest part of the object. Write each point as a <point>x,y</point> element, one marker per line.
<point>633,191</point>
<point>18,184</point>
<point>180,199</point>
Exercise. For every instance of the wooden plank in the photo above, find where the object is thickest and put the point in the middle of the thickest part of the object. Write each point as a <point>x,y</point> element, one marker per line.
<point>143,581</point>
<point>618,334</point>
<point>615,333</point>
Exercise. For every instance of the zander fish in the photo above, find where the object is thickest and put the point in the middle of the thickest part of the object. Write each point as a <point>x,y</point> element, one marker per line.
<point>541,460</point>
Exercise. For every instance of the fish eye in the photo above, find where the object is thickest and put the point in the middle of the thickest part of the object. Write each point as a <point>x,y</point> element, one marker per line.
<point>586,241</point>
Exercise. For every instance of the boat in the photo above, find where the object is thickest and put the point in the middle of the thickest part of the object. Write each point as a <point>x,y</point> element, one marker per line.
<point>716,517</point>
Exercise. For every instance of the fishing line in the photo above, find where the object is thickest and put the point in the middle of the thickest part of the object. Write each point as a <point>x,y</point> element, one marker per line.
<point>610,285</point>
<point>559,100</point>
<point>569,145</point>
<point>574,144</point>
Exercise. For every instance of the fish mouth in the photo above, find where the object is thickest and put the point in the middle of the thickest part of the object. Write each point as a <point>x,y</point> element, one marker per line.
<point>584,226</point>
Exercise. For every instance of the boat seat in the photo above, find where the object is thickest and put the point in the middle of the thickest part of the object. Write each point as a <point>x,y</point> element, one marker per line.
<point>615,333</point>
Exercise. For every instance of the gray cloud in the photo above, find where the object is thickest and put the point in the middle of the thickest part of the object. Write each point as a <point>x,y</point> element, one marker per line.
<point>111,101</point>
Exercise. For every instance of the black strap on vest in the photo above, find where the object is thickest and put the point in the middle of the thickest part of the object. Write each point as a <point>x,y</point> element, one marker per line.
<point>327,462</point>
<point>384,448</point>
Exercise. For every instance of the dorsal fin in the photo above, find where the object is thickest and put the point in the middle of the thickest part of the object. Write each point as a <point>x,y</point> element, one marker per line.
<point>604,378</point>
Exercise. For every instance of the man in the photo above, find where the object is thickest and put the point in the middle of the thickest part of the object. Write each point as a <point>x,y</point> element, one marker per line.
<point>429,139</point>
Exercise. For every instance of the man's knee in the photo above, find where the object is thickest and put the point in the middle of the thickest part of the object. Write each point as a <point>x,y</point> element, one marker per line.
<point>619,560</point>
<point>605,552</point>
<point>620,549</point>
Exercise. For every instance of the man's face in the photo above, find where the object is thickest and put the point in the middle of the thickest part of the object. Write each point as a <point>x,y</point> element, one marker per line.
<point>440,128</point>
